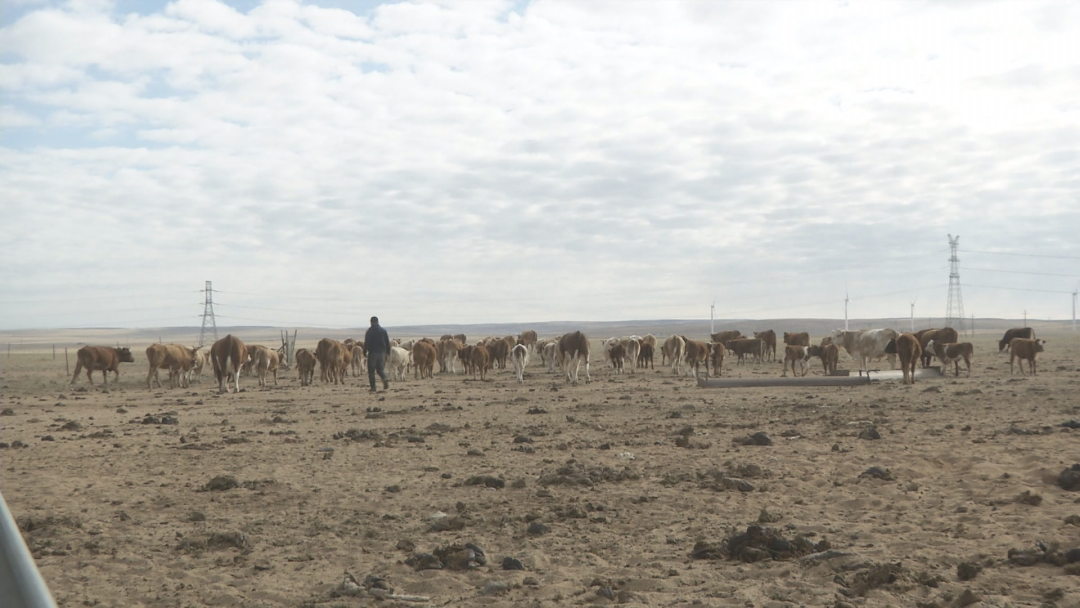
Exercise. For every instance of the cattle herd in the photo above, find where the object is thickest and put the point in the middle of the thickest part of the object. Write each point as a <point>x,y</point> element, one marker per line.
<point>229,356</point>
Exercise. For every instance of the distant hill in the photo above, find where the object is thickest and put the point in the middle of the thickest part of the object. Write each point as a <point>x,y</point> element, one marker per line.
<point>36,340</point>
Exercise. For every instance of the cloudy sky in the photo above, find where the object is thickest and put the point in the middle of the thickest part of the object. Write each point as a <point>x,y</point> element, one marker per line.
<point>458,162</point>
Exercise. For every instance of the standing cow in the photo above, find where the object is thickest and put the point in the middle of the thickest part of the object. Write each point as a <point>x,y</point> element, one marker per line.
<point>102,359</point>
<point>229,356</point>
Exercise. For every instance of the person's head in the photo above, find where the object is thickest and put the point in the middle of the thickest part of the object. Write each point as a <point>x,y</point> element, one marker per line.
<point>374,321</point>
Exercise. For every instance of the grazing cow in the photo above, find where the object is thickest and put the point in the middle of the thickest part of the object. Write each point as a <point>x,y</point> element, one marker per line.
<point>397,362</point>
<point>768,343</point>
<point>946,335</point>
<point>528,338</point>
<point>1016,332</point>
<point>573,348</point>
<point>102,359</point>
<point>724,336</point>
<point>910,351</point>
<point>745,346</point>
<point>674,349</point>
<point>229,356</point>
<point>424,356</point>
<point>265,360</point>
<point>952,353</point>
<point>867,344</point>
<point>617,354</point>
<point>801,338</point>
<point>695,353</point>
<point>717,350</point>
<point>1024,349</point>
<point>829,355</point>
<point>519,355</point>
<point>446,337</point>
<point>793,355</point>
<point>305,362</point>
<point>480,360</point>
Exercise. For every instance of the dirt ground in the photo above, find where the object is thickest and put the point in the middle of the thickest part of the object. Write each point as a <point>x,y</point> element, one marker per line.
<point>630,489</point>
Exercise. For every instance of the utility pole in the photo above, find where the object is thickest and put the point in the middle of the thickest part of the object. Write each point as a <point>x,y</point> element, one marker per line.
<point>954,309</point>
<point>1025,318</point>
<point>712,318</point>
<point>913,313</point>
<point>208,319</point>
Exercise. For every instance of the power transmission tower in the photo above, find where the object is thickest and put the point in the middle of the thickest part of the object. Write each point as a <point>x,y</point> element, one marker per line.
<point>954,310</point>
<point>208,319</point>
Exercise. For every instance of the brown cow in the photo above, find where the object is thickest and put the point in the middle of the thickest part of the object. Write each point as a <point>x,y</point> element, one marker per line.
<point>724,336</point>
<point>265,360</point>
<point>1016,332</point>
<point>617,354</point>
<point>674,350</point>
<point>645,356</point>
<point>333,363</point>
<point>424,355</point>
<point>330,367</point>
<point>801,338</point>
<point>696,352</point>
<point>574,347</point>
<point>465,356</point>
<point>460,338</point>
<point>945,335</point>
<point>499,350</point>
<point>910,351</point>
<point>359,362</point>
<point>449,352</point>
<point>229,356</point>
<point>768,343</point>
<point>480,361</point>
<point>305,362</point>
<point>178,359</point>
<point>446,337</point>
<point>102,359</point>
<point>1024,349</point>
<point>743,347</point>
<point>528,338</point>
<point>717,350</point>
<point>793,355</point>
<point>829,355</point>
<point>952,353</point>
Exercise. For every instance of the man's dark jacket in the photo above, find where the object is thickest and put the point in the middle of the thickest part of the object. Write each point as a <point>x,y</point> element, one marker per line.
<point>376,340</point>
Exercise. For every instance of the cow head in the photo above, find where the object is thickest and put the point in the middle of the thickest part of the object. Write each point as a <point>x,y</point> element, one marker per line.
<point>1039,345</point>
<point>125,354</point>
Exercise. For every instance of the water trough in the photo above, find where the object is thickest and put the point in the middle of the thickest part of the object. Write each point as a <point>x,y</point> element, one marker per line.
<point>842,377</point>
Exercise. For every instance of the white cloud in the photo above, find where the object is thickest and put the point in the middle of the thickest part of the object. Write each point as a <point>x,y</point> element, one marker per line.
<point>488,161</point>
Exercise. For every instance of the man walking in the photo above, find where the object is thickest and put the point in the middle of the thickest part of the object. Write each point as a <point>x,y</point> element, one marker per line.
<point>377,348</point>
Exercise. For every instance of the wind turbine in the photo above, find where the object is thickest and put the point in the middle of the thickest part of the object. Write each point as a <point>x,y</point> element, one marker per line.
<point>913,312</point>
<point>712,317</point>
<point>845,308</point>
<point>1075,291</point>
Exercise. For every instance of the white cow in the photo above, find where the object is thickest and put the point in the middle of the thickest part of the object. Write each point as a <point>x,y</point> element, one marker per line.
<point>397,363</point>
<point>551,353</point>
<point>520,357</point>
<point>867,344</point>
<point>675,349</point>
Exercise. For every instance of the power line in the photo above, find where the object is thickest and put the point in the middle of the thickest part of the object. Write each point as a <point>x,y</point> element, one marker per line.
<point>1045,274</point>
<point>1026,255</point>
<point>1016,288</point>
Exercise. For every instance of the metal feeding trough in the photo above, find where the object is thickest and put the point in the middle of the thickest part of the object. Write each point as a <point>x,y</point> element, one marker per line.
<point>840,377</point>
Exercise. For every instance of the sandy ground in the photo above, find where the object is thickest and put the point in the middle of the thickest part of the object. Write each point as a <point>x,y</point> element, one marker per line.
<point>609,487</point>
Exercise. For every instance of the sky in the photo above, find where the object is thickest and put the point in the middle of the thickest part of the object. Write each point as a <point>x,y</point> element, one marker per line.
<point>490,161</point>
